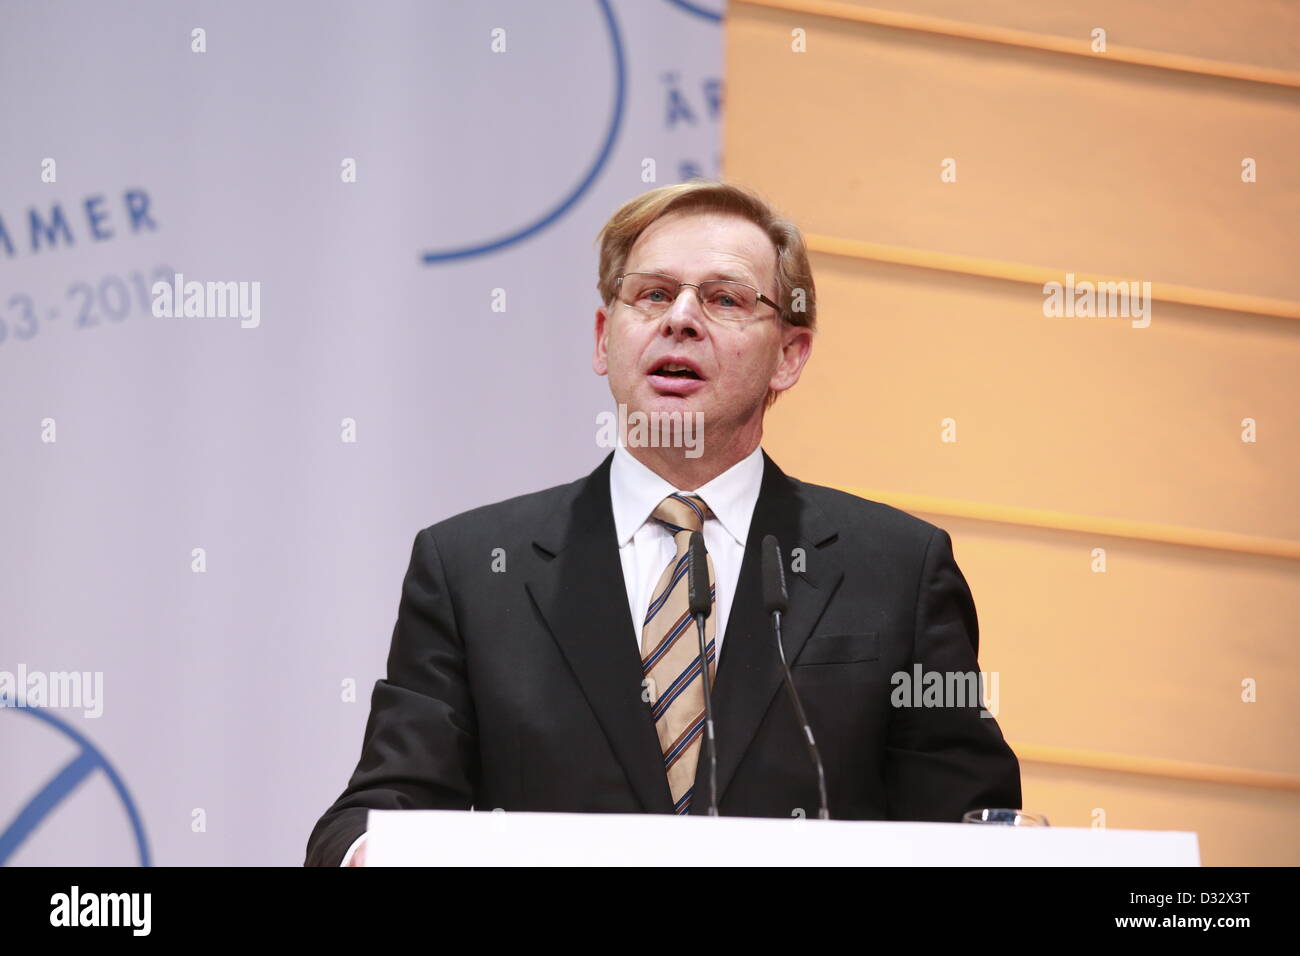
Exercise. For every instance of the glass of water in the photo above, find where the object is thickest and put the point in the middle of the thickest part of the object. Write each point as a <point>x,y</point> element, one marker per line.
<point>1006,818</point>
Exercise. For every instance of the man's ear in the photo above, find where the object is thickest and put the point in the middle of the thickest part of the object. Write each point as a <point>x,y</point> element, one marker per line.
<point>796,349</point>
<point>600,357</point>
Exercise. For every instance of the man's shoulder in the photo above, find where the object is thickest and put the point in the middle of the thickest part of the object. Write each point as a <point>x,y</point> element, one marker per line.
<point>508,517</point>
<point>867,515</point>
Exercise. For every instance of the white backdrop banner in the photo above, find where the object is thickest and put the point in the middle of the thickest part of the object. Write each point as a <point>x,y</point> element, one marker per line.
<point>281,284</point>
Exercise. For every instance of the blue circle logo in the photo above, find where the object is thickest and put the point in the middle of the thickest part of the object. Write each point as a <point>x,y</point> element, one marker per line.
<point>88,760</point>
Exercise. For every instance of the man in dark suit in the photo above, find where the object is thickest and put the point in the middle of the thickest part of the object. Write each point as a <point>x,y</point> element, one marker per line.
<point>543,658</point>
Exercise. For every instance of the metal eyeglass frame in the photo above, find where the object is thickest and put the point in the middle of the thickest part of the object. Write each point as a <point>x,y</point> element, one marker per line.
<point>618,284</point>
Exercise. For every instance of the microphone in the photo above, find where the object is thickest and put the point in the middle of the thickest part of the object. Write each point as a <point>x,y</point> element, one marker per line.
<point>775,602</point>
<point>701,604</point>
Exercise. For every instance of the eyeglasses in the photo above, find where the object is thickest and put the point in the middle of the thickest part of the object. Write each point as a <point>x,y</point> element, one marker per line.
<point>652,293</point>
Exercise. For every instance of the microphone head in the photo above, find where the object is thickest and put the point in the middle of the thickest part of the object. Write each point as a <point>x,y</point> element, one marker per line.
<point>697,576</point>
<point>774,593</point>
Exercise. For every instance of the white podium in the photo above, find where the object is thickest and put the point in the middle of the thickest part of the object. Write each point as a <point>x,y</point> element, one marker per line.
<point>468,838</point>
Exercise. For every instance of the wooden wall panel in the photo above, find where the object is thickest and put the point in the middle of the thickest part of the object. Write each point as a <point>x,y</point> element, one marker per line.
<point>1068,163</point>
<point>1061,161</point>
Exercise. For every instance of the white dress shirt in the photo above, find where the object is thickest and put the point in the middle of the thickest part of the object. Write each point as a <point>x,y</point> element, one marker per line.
<point>645,546</point>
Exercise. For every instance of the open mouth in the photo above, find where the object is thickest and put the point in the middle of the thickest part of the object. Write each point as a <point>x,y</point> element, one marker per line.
<point>676,370</point>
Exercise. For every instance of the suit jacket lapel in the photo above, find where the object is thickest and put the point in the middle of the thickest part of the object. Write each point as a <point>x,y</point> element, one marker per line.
<point>580,592</point>
<point>749,673</point>
<point>582,596</point>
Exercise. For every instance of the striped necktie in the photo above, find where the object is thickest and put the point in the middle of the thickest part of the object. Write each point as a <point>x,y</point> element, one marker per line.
<point>670,652</point>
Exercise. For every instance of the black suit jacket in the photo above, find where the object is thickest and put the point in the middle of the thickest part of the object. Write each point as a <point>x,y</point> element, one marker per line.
<point>521,688</point>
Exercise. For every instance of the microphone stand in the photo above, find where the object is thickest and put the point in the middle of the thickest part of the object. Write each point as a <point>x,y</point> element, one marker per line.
<point>701,604</point>
<point>775,599</point>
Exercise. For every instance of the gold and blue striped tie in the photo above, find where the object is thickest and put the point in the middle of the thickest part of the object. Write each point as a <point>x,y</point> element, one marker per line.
<point>670,652</point>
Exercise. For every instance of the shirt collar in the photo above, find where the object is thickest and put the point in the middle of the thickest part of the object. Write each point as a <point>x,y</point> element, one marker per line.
<point>635,491</point>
